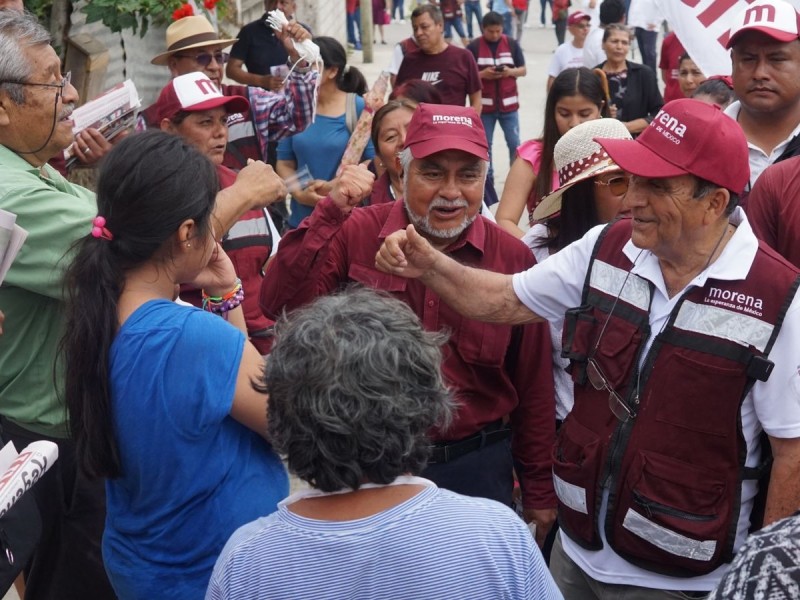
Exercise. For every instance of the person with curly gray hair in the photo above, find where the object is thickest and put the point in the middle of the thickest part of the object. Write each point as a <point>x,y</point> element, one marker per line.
<point>355,384</point>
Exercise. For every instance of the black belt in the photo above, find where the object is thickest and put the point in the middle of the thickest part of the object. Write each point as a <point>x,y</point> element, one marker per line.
<point>442,452</point>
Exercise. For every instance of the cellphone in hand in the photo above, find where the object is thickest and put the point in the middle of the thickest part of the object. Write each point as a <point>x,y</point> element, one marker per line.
<point>500,68</point>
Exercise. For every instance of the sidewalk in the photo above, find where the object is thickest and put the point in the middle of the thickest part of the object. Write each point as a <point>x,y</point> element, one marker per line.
<point>538,45</point>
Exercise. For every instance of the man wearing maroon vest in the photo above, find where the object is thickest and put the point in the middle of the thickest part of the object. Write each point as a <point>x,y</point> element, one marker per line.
<point>683,333</point>
<point>500,63</point>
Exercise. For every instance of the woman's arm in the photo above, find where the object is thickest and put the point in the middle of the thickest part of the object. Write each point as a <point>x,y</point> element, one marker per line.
<point>249,405</point>
<point>513,203</point>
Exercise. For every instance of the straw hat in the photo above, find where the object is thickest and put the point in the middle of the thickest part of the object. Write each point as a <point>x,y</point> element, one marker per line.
<point>578,157</point>
<point>189,32</point>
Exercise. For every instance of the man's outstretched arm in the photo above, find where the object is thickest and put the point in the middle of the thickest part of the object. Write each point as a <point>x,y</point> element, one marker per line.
<point>475,293</point>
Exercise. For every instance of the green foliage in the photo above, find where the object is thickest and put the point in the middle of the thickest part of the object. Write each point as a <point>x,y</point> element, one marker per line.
<point>135,15</point>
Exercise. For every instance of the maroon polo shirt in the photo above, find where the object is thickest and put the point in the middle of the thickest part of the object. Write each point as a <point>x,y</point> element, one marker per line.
<point>497,371</point>
<point>454,72</point>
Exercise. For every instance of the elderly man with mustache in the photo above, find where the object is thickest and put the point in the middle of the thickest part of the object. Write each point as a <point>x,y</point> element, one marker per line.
<point>501,374</point>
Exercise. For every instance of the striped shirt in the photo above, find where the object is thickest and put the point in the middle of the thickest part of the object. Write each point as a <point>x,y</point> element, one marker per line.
<point>437,544</point>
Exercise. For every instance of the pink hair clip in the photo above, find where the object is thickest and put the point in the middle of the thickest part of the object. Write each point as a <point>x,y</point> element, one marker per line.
<point>99,229</point>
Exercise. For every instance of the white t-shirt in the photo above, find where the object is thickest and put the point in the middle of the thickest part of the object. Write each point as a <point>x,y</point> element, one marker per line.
<point>593,53</point>
<point>550,288</point>
<point>565,57</point>
<point>565,393</point>
<point>759,160</point>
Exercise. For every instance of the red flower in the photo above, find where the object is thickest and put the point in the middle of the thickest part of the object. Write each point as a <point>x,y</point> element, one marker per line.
<point>210,4</point>
<point>185,10</point>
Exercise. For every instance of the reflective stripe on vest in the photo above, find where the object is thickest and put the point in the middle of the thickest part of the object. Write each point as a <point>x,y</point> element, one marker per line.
<point>497,94</point>
<point>609,279</point>
<point>722,323</point>
<point>668,540</point>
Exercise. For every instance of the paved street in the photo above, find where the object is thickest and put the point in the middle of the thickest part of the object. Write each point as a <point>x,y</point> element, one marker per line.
<point>537,44</point>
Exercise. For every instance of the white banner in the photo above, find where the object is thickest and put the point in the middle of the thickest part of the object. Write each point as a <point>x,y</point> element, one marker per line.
<point>702,26</point>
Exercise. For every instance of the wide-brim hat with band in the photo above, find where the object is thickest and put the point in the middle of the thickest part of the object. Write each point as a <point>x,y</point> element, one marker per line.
<point>774,18</point>
<point>687,137</point>
<point>194,92</point>
<point>578,157</point>
<point>190,32</point>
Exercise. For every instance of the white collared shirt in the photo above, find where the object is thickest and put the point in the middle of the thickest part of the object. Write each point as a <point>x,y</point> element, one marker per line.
<point>555,285</point>
<point>759,160</point>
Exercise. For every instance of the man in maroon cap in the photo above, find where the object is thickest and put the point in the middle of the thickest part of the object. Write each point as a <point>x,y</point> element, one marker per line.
<point>501,374</point>
<point>683,335</point>
<point>765,59</point>
<point>570,54</point>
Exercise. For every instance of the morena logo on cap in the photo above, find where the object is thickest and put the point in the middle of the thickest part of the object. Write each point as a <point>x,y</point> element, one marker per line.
<point>452,120</point>
<point>668,126</point>
<point>764,13</point>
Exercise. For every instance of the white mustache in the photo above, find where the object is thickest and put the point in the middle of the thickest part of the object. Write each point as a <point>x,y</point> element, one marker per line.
<point>444,203</point>
<point>66,111</point>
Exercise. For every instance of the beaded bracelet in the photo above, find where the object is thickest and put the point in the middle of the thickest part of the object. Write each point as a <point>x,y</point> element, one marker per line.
<point>222,304</point>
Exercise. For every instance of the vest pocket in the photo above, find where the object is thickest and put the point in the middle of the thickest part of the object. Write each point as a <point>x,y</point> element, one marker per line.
<point>576,462</point>
<point>694,381</point>
<point>671,517</point>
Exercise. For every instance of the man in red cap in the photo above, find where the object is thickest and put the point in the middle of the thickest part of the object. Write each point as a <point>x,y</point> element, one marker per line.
<point>683,335</point>
<point>765,59</point>
<point>570,54</point>
<point>501,374</point>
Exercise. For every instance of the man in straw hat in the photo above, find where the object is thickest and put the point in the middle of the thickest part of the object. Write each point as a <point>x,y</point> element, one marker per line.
<point>502,375</point>
<point>193,45</point>
<point>683,335</point>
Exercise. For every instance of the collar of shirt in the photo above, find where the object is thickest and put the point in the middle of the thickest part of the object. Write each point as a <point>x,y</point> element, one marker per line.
<point>474,236</point>
<point>762,159</point>
<point>734,262</point>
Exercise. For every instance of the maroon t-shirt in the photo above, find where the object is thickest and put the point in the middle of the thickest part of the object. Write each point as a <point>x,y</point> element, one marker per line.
<point>671,51</point>
<point>454,72</point>
<point>773,211</point>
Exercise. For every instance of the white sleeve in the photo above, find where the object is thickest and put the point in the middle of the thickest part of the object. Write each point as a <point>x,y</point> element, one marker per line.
<point>777,400</point>
<point>556,284</point>
<point>397,60</point>
<point>555,67</point>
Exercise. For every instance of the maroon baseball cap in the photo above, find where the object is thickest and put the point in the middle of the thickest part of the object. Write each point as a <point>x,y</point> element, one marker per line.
<point>577,17</point>
<point>775,18</point>
<point>194,92</point>
<point>687,137</point>
<point>438,127</point>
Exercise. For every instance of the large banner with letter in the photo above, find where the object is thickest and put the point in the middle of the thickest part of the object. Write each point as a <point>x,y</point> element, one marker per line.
<point>703,26</point>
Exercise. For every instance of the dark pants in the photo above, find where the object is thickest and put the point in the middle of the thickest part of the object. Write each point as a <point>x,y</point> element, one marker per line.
<point>646,40</point>
<point>485,473</point>
<point>561,30</point>
<point>67,563</point>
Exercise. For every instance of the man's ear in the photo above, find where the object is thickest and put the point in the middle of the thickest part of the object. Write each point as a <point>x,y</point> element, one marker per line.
<point>5,104</point>
<point>167,125</point>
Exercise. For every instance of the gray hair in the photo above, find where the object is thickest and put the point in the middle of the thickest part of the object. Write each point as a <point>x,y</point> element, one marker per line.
<point>354,385</point>
<point>18,30</point>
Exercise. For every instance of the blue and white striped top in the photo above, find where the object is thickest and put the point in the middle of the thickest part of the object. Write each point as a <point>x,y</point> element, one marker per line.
<point>438,544</point>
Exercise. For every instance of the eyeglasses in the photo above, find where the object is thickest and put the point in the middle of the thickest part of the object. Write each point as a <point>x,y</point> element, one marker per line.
<point>205,58</point>
<point>65,81</point>
<point>595,374</point>
<point>616,185</point>
<point>600,383</point>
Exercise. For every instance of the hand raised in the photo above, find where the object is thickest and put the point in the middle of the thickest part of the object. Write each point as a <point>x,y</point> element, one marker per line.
<point>259,182</point>
<point>351,186</point>
<point>406,253</point>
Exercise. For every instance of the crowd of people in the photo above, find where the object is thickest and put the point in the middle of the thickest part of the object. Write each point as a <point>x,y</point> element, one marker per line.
<point>589,391</point>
